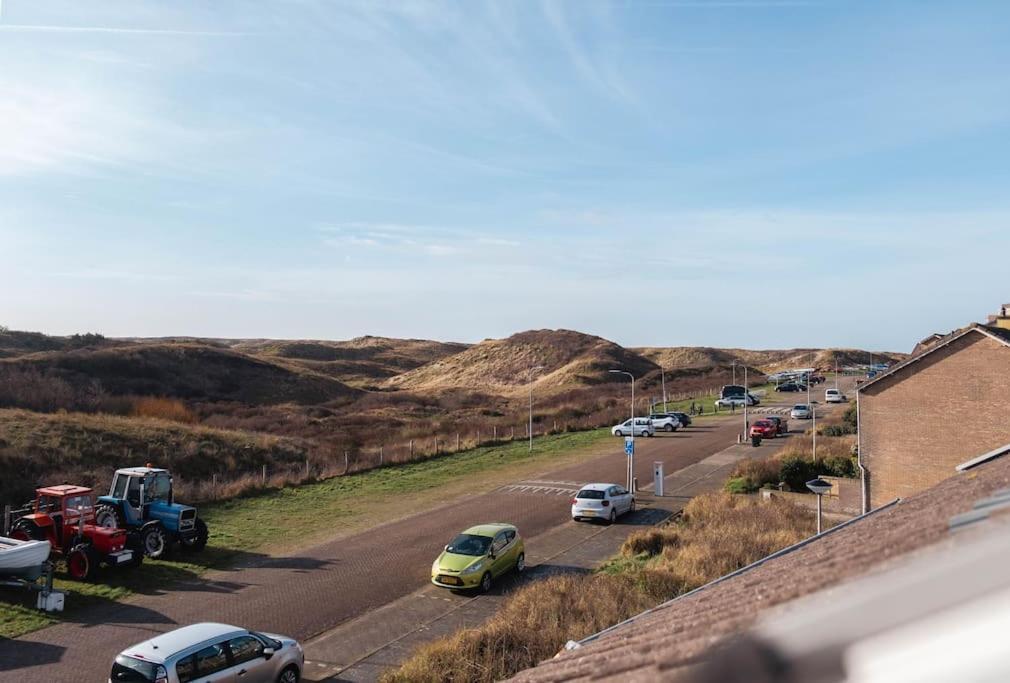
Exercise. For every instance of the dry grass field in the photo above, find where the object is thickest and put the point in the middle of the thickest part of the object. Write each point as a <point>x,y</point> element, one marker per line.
<point>83,405</point>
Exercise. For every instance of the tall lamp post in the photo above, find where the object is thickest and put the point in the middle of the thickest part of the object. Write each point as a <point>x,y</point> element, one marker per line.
<point>532,370</point>
<point>662,372</point>
<point>820,487</point>
<point>746,398</point>
<point>631,457</point>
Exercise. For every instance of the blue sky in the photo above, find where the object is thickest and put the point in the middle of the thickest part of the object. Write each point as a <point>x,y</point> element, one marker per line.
<point>728,173</point>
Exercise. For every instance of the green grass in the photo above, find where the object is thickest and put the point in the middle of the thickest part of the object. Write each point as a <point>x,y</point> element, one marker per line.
<point>269,521</point>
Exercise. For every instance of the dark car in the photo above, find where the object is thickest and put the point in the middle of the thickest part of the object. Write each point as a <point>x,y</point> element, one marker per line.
<point>791,386</point>
<point>781,424</point>
<point>685,419</point>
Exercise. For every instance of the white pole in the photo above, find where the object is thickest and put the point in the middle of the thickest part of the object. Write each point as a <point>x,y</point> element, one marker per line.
<point>746,396</point>
<point>531,410</point>
<point>662,370</point>
<point>813,413</point>
<point>818,513</point>
<point>631,460</point>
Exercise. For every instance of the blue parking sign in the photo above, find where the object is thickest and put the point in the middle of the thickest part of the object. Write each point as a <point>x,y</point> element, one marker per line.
<point>629,446</point>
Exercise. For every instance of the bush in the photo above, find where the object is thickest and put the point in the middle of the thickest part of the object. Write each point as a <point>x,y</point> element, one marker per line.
<point>796,471</point>
<point>849,418</point>
<point>739,485</point>
<point>836,430</point>
<point>756,473</point>
<point>840,466</point>
<point>170,409</point>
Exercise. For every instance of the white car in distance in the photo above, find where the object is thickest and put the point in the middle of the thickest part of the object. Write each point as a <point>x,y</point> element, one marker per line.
<point>665,423</point>
<point>602,501</point>
<point>737,401</point>
<point>801,412</point>
<point>834,396</point>
<point>642,427</point>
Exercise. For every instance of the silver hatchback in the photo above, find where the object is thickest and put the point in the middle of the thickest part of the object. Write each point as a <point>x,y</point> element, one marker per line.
<point>208,653</point>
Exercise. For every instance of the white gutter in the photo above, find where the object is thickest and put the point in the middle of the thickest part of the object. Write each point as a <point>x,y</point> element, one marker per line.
<point>859,459</point>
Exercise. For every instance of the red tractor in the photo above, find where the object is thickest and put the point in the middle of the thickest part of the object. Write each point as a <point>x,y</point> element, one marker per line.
<point>65,516</point>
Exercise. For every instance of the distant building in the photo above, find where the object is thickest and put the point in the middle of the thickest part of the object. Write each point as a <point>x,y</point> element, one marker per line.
<point>1001,319</point>
<point>945,406</point>
<point>926,343</point>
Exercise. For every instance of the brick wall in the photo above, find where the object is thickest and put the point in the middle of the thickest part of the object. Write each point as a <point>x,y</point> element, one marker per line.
<point>844,498</point>
<point>921,422</point>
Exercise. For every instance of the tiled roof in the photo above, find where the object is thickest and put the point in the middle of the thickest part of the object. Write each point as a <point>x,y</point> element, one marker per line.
<point>998,333</point>
<point>665,644</point>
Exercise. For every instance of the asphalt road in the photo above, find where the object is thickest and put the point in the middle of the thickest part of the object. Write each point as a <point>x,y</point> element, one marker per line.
<point>319,588</point>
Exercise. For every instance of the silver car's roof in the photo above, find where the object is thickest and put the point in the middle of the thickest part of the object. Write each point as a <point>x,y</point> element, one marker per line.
<point>160,648</point>
<point>597,487</point>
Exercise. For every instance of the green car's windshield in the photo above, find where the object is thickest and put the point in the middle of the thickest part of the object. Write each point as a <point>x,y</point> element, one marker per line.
<point>468,544</point>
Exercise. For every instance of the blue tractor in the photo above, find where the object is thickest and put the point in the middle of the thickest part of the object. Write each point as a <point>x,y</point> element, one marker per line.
<point>141,501</point>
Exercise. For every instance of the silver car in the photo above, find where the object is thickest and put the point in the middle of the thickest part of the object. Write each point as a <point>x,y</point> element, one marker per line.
<point>208,653</point>
<point>801,412</point>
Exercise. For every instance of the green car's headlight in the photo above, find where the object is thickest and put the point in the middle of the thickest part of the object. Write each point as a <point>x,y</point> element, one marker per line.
<point>434,566</point>
<point>475,567</point>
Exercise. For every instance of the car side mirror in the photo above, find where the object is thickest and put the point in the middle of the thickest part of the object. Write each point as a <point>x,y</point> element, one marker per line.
<point>491,555</point>
<point>268,652</point>
<point>447,548</point>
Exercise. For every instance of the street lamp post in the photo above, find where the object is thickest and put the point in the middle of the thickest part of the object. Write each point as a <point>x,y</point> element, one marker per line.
<point>631,457</point>
<point>813,415</point>
<point>532,370</point>
<point>662,371</point>
<point>819,487</point>
<point>746,397</point>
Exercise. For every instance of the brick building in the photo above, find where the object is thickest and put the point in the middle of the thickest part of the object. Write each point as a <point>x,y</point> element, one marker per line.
<point>945,406</point>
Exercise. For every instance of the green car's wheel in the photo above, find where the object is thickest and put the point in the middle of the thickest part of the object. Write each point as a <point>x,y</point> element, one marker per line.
<point>485,582</point>
<point>521,563</point>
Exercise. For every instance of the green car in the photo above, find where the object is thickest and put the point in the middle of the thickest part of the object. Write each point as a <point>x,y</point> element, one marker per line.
<point>478,556</point>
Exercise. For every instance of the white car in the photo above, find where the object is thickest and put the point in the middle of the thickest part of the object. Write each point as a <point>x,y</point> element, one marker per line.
<point>643,427</point>
<point>801,412</point>
<point>834,396</point>
<point>602,501</point>
<point>738,401</point>
<point>663,422</point>
<point>211,652</point>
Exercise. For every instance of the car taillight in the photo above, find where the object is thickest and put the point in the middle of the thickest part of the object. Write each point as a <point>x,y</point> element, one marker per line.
<point>160,675</point>
<point>574,501</point>
<point>606,503</point>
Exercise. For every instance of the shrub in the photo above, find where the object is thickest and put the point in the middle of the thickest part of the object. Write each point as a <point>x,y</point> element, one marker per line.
<point>796,471</point>
<point>757,473</point>
<point>836,430</point>
<point>170,409</point>
<point>839,466</point>
<point>849,418</point>
<point>739,485</point>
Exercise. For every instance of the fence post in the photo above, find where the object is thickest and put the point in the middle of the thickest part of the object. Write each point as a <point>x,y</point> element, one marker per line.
<point>555,425</point>
<point>347,462</point>
<point>436,445</point>
<point>380,456</point>
<point>306,468</point>
<point>478,438</point>
<point>494,431</point>
<point>512,434</point>
<point>264,477</point>
<point>411,449</point>
<point>457,441</point>
<point>213,485</point>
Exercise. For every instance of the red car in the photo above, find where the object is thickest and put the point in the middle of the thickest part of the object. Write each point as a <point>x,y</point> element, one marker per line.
<point>780,422</point>
<point>766,429</point>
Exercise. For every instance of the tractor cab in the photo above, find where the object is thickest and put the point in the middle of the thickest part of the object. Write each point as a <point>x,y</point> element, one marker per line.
<point>64,515</point>
<point>142,501</point>
<point>134,488</point>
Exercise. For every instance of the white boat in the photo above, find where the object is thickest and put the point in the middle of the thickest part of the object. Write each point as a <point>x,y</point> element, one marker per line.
<point>22,559</point>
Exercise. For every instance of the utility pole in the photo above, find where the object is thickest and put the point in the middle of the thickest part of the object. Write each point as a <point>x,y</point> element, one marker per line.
<point>631,457</point>
<point>746,397</point>
<point>662,371</point>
